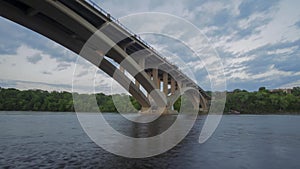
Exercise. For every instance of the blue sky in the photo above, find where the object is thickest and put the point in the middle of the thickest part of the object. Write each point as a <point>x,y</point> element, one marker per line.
<point>258,43</point>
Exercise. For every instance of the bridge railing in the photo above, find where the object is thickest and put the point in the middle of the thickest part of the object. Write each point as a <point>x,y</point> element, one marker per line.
<point>96,6</point>
<point>101,10</point>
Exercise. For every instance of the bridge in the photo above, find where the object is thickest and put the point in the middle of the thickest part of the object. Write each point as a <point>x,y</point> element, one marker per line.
<point>72,23</point>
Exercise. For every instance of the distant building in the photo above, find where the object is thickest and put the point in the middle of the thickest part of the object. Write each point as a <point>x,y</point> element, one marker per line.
<point>287,91</point>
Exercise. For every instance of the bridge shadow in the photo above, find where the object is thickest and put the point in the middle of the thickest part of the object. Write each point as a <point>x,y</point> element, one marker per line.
<point>141,130</point>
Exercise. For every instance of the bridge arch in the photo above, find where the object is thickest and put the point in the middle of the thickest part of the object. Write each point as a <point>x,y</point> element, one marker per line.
<point>73,23</point>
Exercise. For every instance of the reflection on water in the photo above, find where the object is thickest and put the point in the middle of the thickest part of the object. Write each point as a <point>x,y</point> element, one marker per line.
<point>165,133</point>
<point>56,140</point>
<point>141,130</point>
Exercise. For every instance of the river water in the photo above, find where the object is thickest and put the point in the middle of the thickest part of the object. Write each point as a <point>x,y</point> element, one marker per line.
<point>56,140</point>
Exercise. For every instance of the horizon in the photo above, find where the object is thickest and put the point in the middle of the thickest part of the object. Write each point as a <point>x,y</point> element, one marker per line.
<point>60,91</point>
<point>258,43</point>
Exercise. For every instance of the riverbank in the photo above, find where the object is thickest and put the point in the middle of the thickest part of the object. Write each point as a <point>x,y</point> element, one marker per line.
<point>241,101</point>
<point>200,113</point>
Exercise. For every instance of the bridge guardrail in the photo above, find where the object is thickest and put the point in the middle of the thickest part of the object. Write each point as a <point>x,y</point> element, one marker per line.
<point>96,6</point>
<point>101,10</point>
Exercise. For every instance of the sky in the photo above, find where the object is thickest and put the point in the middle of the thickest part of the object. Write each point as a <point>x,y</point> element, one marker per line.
<point>258,43</point>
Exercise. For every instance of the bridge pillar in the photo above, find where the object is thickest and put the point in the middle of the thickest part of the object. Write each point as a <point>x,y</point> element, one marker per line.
<point>165,83</point>
<point>173,86</point>
<point>141,63</point>
<point>155,78</point>
<point>204,104</point>
<point>197,102</point>
<point>150,75</point>
<point>179,85</point>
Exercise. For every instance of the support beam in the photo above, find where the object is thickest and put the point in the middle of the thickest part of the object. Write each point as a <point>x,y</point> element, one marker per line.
<point>142,63</point>
<point>31,12</point>
<point>127,45</point>
<point>150,75</point>
<point>179,85</point>
<point>155,78</point>
<point>165,83</point>
<point>173,86</point>
<point>203,103</point>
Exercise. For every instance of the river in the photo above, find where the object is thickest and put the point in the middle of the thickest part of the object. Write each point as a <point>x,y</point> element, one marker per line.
<point>56,140</point>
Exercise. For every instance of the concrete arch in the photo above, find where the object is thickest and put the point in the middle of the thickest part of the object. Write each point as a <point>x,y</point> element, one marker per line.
<point>73,23</point>
<point>73,41</point>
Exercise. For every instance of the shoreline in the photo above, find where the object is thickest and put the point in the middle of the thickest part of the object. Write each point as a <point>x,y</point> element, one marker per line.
<point>281,113</point>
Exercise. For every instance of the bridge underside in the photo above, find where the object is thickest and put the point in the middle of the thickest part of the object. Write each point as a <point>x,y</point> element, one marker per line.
<point>83,29</point>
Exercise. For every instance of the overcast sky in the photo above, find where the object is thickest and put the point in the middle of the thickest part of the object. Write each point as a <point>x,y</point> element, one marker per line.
<point>258,43</point>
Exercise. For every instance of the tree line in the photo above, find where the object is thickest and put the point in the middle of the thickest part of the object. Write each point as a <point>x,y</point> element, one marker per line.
<point>263,101</point>
<point>257,102</point>
<point>39,100</point>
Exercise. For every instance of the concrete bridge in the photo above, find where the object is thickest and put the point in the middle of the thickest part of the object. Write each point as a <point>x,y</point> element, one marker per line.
<point>72,23</point>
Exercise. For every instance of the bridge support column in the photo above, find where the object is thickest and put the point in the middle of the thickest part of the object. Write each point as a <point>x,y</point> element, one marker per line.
<point>173,86</point>
<point>145,110</point>
<point>155,78</point>
<point>141,62</point>
<point>179,85</point>
<point>204,104</point>
<point>165,83</point>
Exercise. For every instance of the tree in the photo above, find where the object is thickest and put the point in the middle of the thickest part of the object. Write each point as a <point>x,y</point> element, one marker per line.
<point>261,101</point>
<point>262,89</point>
<point>296,91</point>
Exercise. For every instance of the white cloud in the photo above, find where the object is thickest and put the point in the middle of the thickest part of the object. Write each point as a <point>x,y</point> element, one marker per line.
<point>26,71</point>
<point>271,74</point>
<point>283,51</point>
<point>280,28</point>
<point>212,7</point>
<point>291,85</point>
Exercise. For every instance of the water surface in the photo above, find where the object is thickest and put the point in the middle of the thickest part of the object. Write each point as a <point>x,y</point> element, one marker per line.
<point>56,140</point>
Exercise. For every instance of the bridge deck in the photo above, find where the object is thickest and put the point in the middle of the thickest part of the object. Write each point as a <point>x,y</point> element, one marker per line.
<point>137,44</point>
<point>73,37</point>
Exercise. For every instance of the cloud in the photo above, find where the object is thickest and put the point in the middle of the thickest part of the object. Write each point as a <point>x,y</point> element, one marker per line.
<point>248,7</point>
<point>39,67</point>
<point>82,73</point>
<point>63,66</point>
<point>25,85</point>
<point>281,51</point>
<point>47,73</point>
<point>13,36</point>
<point>297,24</point>
<point>291,84</point>
<point>34,59</point>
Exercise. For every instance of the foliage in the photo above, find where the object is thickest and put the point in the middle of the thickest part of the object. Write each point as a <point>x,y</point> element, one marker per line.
<point>263,101</point>
<point>39,100</point>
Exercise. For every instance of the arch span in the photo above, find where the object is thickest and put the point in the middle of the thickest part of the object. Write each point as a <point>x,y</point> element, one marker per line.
<point>73,23</point>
